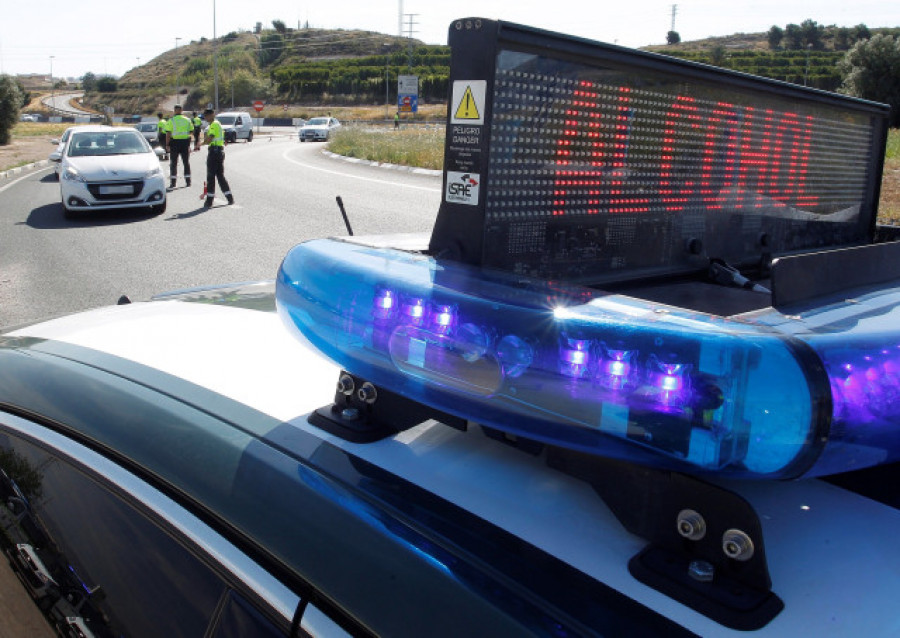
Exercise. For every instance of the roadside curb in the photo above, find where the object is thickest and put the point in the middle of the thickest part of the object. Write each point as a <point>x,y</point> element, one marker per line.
<point>395,167</point>
<point>21,169</point>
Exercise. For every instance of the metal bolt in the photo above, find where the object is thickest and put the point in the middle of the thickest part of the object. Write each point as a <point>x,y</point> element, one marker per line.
<point>350,414</point>
<point>367,393</point>
<point>345,385</point>
<point>691,525</point>
<point>701,570</point>
<point>737,545</point>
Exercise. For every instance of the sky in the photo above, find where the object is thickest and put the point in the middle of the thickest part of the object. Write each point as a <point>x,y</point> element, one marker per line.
<point>105,37</point>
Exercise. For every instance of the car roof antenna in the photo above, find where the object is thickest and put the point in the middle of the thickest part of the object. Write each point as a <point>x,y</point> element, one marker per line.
<point>340,204</point>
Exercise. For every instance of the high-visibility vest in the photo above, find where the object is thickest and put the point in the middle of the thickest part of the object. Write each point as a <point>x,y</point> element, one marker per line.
<point>197,122</point>
<point>162,126</point>
<point>216,133</point>
<point>180,127</point>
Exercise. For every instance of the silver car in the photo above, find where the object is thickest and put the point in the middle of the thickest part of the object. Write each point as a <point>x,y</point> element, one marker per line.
<point>318,129</point>
<point>150,131</point>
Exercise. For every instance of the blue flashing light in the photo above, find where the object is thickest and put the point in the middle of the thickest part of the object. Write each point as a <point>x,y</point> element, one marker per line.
<point>611,375</point>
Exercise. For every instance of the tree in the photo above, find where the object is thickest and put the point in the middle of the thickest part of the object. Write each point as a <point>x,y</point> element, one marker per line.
<point>842,39</point>
<point>871,70</point>
<point>107,84</point>
<point>861,32</point>
<point>10,103</point>
<point>279,26</point>
<point>812,33</point>
<point>89,81</point>
<point>672,37</point>
<point>29,478</point>
<point>717,55</point>
<point>793,34</point>
<point>775,35</point>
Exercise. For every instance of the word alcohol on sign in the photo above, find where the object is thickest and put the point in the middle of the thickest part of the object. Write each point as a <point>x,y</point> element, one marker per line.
<point>468,102</point>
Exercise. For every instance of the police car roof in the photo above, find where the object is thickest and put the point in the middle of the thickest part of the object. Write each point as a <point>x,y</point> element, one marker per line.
<point>452,521</point>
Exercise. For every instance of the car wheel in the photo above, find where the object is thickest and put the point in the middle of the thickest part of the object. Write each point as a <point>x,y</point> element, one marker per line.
<point>68,213</point>
<point>250,137</point>
<point>159,209</point>
<point>302,140</point>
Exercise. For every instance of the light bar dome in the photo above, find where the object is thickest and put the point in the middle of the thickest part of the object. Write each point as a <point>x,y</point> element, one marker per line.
<point>606,374</point>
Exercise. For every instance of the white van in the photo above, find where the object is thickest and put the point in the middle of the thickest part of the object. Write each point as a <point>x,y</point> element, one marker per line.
<point>236,125</point>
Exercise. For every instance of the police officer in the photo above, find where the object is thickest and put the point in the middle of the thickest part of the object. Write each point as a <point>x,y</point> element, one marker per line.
<point>198,124</point>
<point>215,159</point>
<point>180,129</point>
<point>161,128</point>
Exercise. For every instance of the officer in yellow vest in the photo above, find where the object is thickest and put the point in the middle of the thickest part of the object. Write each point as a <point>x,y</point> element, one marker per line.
<point>215,159</point>
<point>198,124</point>
<point>161,128</point>
<point>180,129</point>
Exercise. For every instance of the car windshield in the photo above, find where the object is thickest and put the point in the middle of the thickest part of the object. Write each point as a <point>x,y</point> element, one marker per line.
<point>65,135</point>
<point>226,119</point>
<point>318,121</point>
<point>147,126</point>
<point>125,142</point>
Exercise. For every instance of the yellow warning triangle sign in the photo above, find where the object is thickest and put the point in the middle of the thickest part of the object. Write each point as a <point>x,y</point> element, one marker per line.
<point>468,108</point>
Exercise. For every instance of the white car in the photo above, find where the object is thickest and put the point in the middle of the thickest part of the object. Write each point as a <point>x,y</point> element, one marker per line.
<point>150,131</point>
<point>56,156</point>
<point>318,129</point>
<point>110,167</point>
<point>236,125</point>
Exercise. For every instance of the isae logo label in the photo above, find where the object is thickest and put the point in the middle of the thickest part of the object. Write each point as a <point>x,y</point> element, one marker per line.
<point>462,188</point>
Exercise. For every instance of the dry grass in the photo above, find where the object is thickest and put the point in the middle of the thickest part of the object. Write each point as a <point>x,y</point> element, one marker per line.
<point>420,146</point>
<point>427,112</point>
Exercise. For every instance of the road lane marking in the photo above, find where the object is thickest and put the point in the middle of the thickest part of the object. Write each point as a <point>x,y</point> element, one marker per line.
<point>364,179</point>
<point>27,175</point>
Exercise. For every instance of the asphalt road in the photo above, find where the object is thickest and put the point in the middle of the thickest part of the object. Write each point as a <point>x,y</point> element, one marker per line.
<point>285,193</point>
<point>61,103</point>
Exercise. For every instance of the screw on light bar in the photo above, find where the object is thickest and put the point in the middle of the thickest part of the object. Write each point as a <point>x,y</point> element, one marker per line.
<point>606,374</point>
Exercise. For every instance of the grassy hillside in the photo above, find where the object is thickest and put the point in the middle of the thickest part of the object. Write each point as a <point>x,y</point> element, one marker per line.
<point>751,53</point>
<point>320,67</point>
<point>296,67</point>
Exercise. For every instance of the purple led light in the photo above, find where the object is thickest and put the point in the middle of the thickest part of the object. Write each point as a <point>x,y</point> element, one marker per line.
<point>617,370</point>
<point>574,356</point>
<point>413,310</point>
<point>670,384</point>
<point>384,304</point>
<point>867,387</point>
<point>443,318</point>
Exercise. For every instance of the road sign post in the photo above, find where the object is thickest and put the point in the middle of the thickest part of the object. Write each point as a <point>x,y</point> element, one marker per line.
<point>258,107</point>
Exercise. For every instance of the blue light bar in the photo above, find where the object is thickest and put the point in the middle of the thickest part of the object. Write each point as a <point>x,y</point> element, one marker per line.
<point>607,374</point>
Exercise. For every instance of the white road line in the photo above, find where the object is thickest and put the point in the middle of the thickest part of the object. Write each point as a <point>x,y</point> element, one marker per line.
<point>16,181</point>
<point>364,179</point>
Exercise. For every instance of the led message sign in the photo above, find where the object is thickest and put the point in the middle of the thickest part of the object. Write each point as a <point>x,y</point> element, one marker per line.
<point>569,158</point>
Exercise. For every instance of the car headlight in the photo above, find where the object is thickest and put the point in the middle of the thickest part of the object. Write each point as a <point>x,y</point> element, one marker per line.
<point>73,175</point>
<point>153,172</point>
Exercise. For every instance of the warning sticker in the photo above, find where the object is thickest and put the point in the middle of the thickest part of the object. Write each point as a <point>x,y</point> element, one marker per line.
<point>462,188</point>
<point>468,101</point>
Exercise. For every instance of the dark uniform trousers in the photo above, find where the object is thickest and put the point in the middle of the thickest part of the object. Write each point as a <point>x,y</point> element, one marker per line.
<point>215,170</point>
<point>179,148</point>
